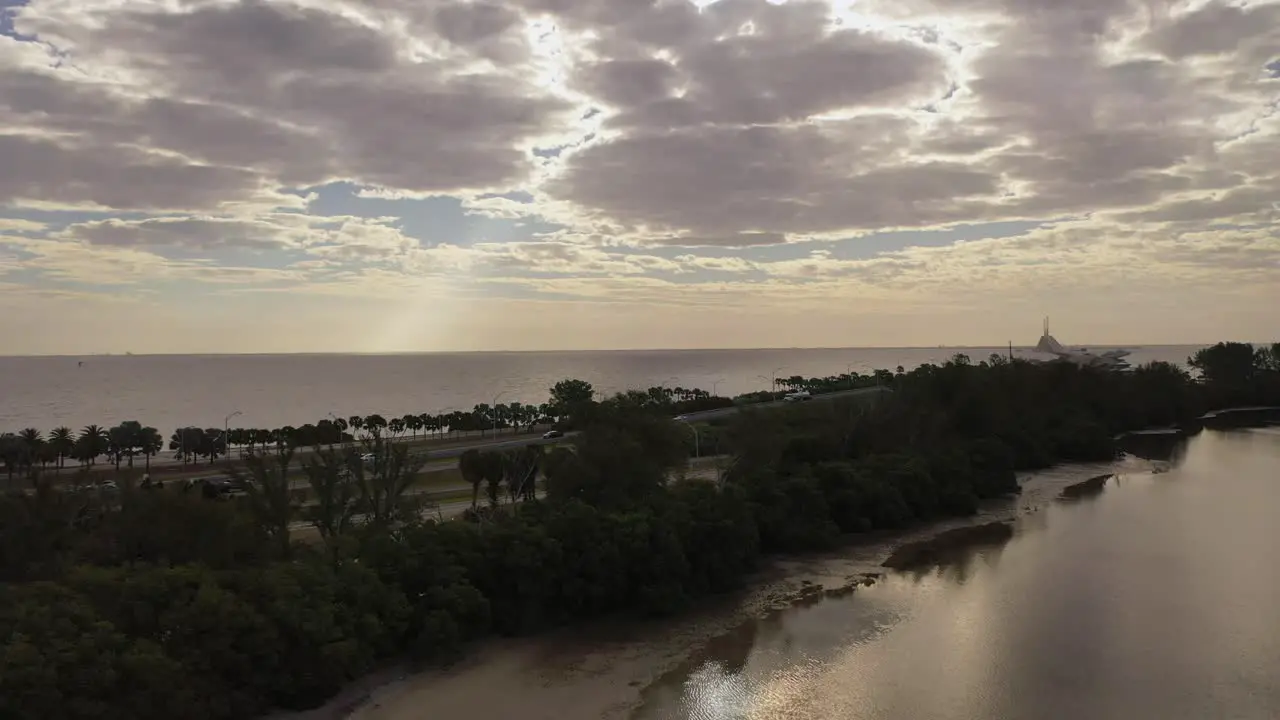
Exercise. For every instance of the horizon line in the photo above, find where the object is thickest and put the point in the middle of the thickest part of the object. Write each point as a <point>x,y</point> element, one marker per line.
<point>388,353</point>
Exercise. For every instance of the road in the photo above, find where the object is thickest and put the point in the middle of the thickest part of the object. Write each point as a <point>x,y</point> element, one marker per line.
<point>454,452</point>
<point>706,469</point>
<point>218,472</point>
<point>706,415</point>
<point>449,454</point>
<point>456,444</point>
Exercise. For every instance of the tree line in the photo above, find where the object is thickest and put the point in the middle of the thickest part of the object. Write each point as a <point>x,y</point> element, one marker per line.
<point>157,604</point>
<point>31,449</point>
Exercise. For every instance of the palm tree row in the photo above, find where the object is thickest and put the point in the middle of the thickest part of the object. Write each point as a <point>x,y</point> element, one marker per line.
<point>30,448</point>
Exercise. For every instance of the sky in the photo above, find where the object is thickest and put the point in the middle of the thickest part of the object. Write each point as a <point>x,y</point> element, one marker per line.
<point>397,175</point>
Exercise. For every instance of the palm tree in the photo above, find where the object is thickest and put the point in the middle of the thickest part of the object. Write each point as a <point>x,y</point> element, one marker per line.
<point>12,452</point>
<point>94,442</point>
<point>482,416</point>
<point>414,423</point>
<point>34,443</point>
<point>261,437</point>
<point>375,424</point>
<point>32,438</point>
<point>355,423</point>
<point>62,442</point>
<point>186,441</point>
<point>397,426</point>
<point>117,445</point>
<point>471,466</point>
<point>46,455</point>
<point>436,423</point>
<point>150,442</point>
<point>284,437</point>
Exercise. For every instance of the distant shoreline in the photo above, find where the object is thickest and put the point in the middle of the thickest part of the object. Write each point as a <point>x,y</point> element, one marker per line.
<point>612,351</point>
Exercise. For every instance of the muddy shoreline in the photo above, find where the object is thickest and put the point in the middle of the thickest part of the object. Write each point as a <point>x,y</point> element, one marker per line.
<point>1092,486</point>
<point>599,670</point>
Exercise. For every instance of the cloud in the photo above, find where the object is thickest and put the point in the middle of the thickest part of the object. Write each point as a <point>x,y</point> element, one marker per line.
<point>751,62</point>
<point>734,155</point>
<point>726,124</point>
<point>231,95</point>
<point>202,233</point>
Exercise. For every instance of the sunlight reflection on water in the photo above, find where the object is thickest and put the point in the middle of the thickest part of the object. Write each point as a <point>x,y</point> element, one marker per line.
<point>1150,599</point>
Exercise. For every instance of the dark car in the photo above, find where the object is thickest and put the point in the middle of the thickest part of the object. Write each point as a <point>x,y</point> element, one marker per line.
<point>551,434</point>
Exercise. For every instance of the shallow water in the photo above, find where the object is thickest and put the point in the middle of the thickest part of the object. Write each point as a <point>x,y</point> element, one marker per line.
<point>1157,598</point>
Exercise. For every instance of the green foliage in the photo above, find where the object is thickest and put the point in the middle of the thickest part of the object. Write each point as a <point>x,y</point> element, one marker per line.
<point>151,603</point>
<point>1229,363</point>
<point>571,400</point>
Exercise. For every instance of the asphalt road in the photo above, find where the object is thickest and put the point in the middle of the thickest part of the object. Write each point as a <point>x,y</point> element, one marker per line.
<point>706,415</point>
<point>166,460</point>
<point>443,454</point>
<point>454,452</point>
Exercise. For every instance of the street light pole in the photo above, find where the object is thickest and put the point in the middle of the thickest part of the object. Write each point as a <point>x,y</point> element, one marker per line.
<point>714,387</point>
<point>226,424</point>
<point>495,411</point>
<point>697,450</point>
<point>773,381</point>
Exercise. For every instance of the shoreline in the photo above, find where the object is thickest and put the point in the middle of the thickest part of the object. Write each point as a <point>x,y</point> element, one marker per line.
<point>600,670</point>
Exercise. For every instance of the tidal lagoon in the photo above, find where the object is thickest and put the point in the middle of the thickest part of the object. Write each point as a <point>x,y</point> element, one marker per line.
<point>1155,598</point>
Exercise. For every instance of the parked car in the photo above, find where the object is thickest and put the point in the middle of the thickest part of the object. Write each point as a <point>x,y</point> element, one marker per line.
<point>551,434</point>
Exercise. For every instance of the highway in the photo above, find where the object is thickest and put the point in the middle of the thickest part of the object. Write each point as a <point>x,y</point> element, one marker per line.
<point>513,444</point>
<point>706,415</point>
<point>453,444</point>
<point>218,472</point>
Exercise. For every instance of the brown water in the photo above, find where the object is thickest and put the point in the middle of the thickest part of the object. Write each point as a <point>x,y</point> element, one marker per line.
<point>1157,598</point>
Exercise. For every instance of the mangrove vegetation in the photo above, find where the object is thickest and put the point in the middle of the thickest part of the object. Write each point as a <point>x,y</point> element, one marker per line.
<point>155,603</point>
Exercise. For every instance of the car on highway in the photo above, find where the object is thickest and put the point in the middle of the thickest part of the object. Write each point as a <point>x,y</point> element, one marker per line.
<point>797,396</point>
<point>552,434</point>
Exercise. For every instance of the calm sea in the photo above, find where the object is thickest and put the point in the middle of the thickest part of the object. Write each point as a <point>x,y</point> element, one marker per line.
<point>168,391</point>
<point>1154,600</point>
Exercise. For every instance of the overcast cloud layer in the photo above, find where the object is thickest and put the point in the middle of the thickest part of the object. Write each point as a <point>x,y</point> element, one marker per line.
<point>299,175</point>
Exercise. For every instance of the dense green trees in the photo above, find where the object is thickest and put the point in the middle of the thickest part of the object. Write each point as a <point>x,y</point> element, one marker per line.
<point>120,445</point>
<point>158,603</point>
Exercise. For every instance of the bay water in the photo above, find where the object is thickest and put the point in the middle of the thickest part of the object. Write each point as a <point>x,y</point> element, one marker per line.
<point>1157,598</point>
<point>269,391</point>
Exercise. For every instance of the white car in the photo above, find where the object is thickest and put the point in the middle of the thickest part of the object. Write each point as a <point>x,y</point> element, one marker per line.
<point>798,396</point>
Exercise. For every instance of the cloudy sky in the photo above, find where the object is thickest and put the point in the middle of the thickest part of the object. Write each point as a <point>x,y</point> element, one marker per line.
<point>398,175</point>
